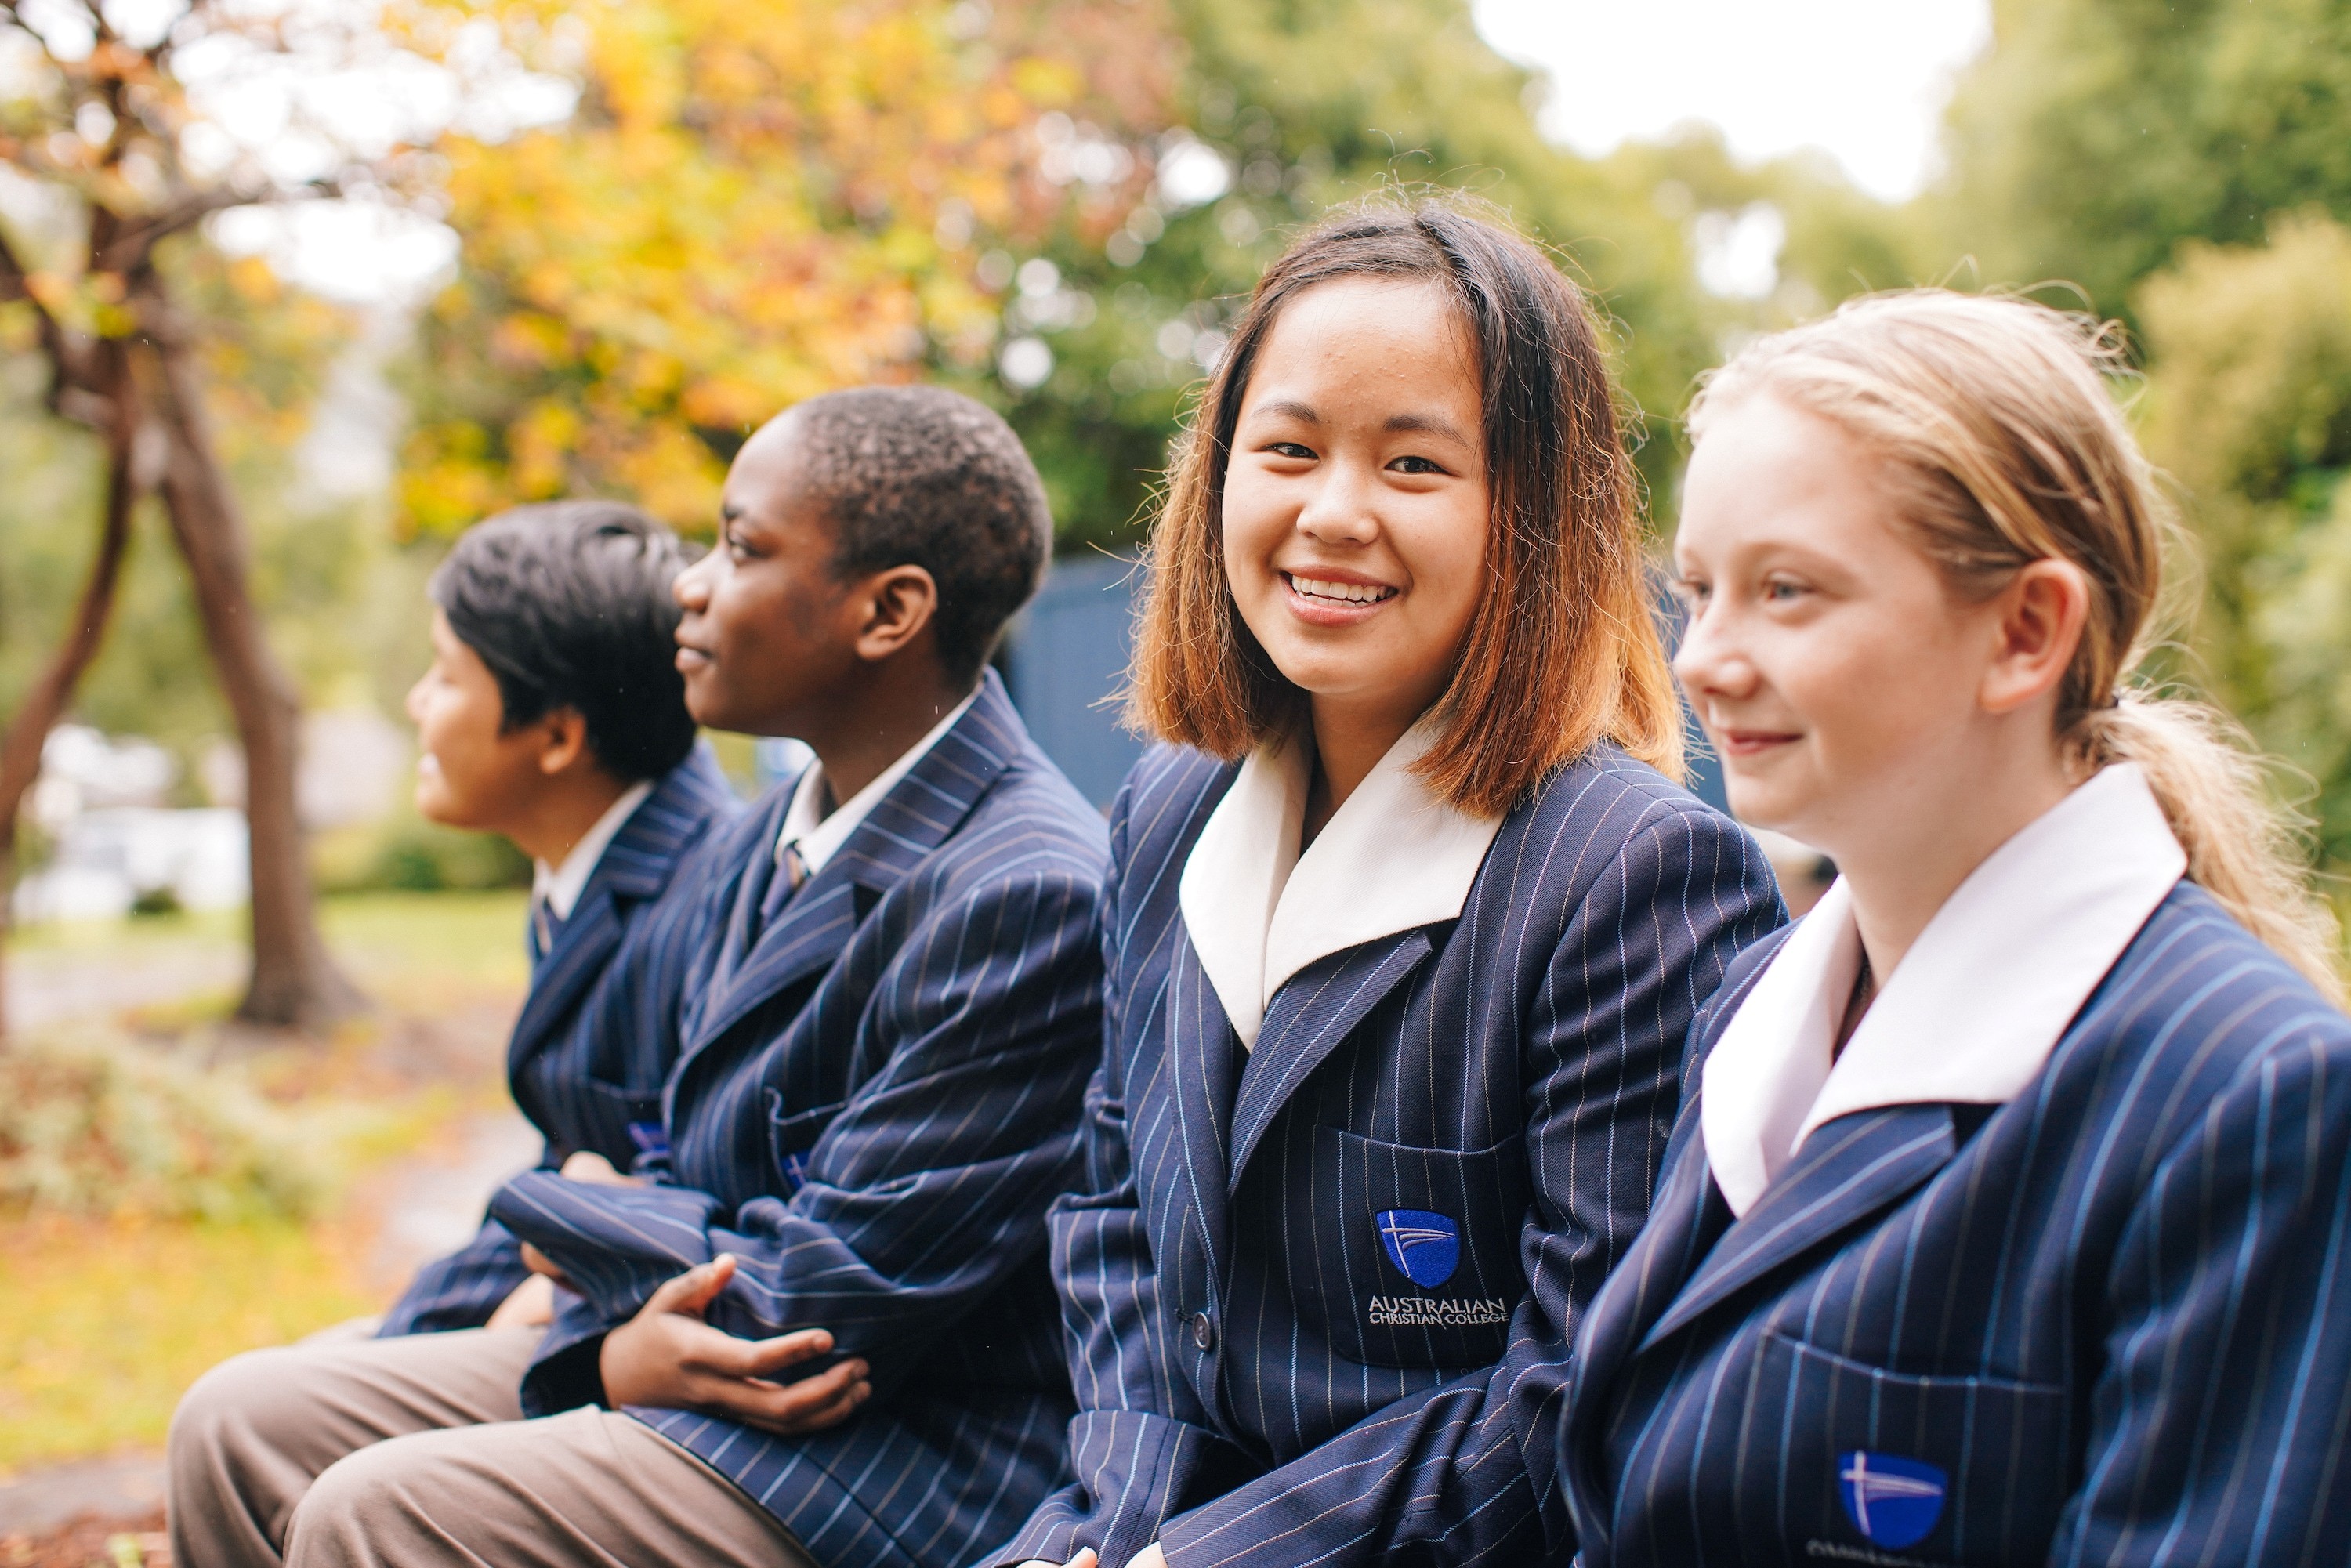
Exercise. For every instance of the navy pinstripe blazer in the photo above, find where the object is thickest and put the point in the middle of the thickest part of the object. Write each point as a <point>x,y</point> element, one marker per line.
<point>877,1101</point>
<point>1256,1382</point>
<point>596,1039</point>
<point>2113,1315</point>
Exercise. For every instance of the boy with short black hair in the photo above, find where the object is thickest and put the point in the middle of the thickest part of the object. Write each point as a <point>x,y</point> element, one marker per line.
<point>894,1005</point>
<point>553,715</point>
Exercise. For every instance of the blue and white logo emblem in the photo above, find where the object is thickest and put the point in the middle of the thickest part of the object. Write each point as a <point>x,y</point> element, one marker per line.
<point>1426,1247</point>
<point>1892,1501</point>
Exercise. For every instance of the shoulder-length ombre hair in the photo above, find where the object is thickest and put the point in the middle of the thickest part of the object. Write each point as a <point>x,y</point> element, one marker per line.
<point>1561,651</point>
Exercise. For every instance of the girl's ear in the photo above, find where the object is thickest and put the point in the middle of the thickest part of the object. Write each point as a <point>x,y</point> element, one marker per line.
<point>2039,620</point>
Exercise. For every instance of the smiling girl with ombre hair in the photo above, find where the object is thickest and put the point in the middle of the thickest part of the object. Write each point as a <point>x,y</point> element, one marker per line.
<point>1407,929</point>
<point>2009,1220</point>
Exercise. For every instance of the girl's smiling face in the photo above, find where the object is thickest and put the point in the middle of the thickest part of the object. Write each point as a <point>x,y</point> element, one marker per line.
<point>1356,500</point>
<point>1836,675</point>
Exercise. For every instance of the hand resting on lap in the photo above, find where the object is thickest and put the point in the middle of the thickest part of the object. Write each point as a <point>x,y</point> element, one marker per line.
<point>667,1356</point>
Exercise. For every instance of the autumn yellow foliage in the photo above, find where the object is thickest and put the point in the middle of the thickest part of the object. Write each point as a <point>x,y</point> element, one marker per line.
<point>110,1321</point>
<point>754,201</point>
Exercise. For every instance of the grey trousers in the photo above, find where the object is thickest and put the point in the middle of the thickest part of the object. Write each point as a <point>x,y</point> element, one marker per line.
<point>413,1452</point>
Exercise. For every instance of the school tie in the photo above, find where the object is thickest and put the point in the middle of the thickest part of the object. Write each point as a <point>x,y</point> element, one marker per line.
<point>544,927</point>
<point>791,871</point>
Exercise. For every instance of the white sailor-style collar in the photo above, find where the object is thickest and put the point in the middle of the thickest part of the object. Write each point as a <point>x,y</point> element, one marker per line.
<point>1975,1008</point>
<point>1396,856</point>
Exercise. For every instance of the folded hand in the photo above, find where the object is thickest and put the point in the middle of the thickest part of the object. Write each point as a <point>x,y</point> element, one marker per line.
<point>667,1356</point>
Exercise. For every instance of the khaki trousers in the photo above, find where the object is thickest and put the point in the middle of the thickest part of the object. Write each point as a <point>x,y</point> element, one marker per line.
<point>413,1452</point>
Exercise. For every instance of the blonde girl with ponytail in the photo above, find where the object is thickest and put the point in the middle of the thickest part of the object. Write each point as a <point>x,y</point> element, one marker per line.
<point>2008,1216</point>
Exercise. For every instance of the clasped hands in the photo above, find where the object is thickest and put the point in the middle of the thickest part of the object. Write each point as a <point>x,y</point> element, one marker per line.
<point>669,1357</point>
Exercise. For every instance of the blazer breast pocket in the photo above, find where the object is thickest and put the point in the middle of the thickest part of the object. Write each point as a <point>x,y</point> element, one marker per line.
<point>791,1137</point>
<point>1413,1258</point>
<point>1951,1469</point>
<point>621,1121</point>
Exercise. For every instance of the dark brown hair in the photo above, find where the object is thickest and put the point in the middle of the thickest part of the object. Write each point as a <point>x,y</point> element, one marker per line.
<point>1563,651</point>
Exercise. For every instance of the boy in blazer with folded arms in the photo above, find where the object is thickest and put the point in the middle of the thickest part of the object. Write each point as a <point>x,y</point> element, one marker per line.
<point>552,715</point>
<point>818,1326</point>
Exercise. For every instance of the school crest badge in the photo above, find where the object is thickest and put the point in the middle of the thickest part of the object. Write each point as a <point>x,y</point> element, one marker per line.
<point>1424,1247</point>
<point>1892,1501</point>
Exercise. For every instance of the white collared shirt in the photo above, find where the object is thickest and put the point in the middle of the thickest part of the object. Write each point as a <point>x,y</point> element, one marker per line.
<point>818,836</point>
<point>1393,857</point>
<point>1970,1014</point>
<point>559,887</point>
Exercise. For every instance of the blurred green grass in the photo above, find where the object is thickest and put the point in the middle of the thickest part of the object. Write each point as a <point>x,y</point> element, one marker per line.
<point>481,931</point>
<point>462,938</point>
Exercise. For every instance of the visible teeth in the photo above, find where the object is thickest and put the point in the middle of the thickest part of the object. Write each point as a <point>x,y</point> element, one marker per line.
<point>1352,593</point>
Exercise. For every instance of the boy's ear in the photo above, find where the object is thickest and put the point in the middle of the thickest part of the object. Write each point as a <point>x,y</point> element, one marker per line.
<point>893,607</point>
<point>564,741</point>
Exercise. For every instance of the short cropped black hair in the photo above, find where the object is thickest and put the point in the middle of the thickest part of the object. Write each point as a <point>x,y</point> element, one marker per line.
<point>568,604</point>
<point>923,476</point>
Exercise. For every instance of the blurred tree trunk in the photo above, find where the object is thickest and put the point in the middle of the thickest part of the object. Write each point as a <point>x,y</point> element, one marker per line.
<point>46,702</point>
<point>112,384</point>
<point>97,124</point>
<point>295,981</point>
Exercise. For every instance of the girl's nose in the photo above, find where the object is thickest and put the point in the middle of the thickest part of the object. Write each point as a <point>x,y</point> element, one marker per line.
<point>414,704</point>
<point>1340,510</point>
<point>1710,660</point>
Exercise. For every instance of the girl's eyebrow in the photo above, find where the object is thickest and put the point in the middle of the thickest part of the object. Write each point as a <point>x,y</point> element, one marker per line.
<point>1429,423</point>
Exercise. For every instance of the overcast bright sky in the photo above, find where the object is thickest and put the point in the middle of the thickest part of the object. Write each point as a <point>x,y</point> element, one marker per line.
<point>1864,79</point>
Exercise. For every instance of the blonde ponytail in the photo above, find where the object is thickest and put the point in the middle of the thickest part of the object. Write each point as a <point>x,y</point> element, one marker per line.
<point>2241,848</point>
<point>2003,448</point>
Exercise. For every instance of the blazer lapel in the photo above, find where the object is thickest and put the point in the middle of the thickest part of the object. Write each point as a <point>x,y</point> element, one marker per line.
<point>723,960</point>
<point>1201,1050</point>
<point>1846,1171</point>
<point>642,857</point>
<point>902,829</point>
<point>1688,1216</point>
<point>1201,1046</point>
<point>581,950</point>
<point>635,866</point>
<point>1310,1016</point>
<point>931,801</point>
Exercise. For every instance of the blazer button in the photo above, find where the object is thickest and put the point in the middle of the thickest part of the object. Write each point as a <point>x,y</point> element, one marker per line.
<point>1204,1333</point>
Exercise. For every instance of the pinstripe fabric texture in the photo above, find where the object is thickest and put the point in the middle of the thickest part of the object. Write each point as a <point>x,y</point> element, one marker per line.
<point>878,1099</point>
<point>597,1035</point>
<point>2114,1314</point>
<point>1258,1383</point>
